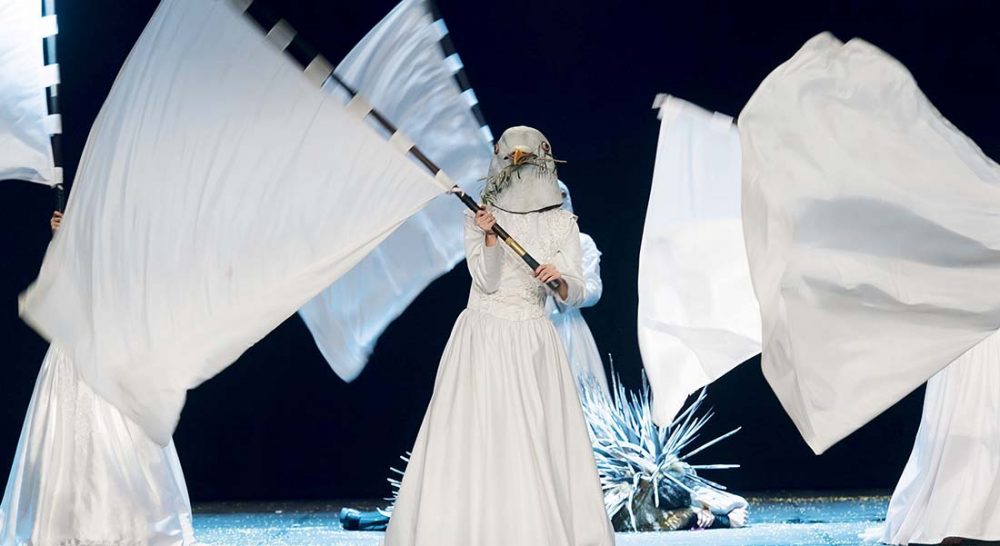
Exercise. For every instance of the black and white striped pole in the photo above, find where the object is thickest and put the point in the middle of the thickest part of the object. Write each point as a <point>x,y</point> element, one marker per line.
<point>319,70</point>
<point>51,80</point>
<point>458,69</point>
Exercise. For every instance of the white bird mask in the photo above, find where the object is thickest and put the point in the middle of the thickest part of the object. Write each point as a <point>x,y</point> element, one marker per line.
<point>522,175</point>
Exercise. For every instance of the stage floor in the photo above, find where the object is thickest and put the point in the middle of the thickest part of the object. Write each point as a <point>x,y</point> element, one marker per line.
<point>776,520</point>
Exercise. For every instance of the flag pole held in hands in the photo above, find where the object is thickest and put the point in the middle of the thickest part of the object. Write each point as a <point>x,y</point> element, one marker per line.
<point>315,66</point>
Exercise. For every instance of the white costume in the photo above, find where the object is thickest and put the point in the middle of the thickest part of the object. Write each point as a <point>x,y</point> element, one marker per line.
<point>503,456</point>
<point>951,484</point>
<point>871,229</point>
<point>85,475</point>
<point>581,349</point>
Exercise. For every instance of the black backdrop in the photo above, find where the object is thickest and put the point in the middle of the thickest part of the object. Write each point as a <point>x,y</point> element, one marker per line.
<point>280,425</point>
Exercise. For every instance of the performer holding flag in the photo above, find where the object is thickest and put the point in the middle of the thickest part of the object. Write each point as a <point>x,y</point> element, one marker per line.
<point>117,487</point>
<point>504,430</point>
<point>127,349</point>
<point>83,473</point>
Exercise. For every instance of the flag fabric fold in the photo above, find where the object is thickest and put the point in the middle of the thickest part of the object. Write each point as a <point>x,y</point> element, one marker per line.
<point>219,191</point>
<point>698,317</point>
<point>25,124</point>
<point>403,68</point>
<point>871,229</point>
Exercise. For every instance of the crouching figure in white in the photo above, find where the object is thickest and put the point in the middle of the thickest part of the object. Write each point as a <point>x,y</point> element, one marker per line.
<point>503,456</point>
<point>85,475</point>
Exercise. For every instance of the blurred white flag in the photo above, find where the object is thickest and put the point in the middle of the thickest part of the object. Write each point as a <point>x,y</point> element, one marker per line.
<point>402,68</point>
<point>871,226</point>
<point>25,126</point>
<point>698,317</point>
<point>219,191</point>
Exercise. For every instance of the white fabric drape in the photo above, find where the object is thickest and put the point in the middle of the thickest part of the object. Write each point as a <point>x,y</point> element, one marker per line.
<point>401,69</point>
<point>84,474</point>
<point>25,151</point>
<point>581,348</point>
<point>698,317</point>
<point>219,191</point>
<point>871,227</point>
<point>951,484</point>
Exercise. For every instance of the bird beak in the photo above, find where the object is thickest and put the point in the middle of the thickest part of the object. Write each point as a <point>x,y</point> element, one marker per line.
<point>519,155</point>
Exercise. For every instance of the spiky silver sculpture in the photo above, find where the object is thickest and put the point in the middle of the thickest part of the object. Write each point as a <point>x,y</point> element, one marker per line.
<point>394,483</point>
<point>647,480</point>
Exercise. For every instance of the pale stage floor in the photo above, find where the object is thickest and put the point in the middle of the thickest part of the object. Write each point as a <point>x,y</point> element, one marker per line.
<point>798,519</point>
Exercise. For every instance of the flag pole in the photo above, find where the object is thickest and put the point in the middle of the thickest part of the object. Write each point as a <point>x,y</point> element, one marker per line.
<point>319,70</point>
<point>54,119</point>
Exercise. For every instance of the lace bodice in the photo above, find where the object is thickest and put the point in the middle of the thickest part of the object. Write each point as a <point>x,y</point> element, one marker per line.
<point>502,284</point>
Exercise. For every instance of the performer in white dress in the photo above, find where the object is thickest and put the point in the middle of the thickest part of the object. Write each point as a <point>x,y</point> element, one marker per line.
<point>581,349</point>
<point>85,475</point>
<point>503,456</point>
<point>951,485</point>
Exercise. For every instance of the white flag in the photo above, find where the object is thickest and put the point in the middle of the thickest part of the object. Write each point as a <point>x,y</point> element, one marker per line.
<point>219,191</point>
<point>25,151</point>
<point>871,226</point>
<point>403,70</point>
<point>698,317</point>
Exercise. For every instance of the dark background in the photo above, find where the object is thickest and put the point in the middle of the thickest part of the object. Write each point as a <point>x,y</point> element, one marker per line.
<point>280,425</point>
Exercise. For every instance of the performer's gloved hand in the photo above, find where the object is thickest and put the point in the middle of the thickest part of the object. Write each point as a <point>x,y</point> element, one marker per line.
<point>485,221</point>
<point>56,221</point>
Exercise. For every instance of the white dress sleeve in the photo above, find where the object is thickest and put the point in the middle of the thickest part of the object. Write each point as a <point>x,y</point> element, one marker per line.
<point>569,261</point>
<point>484,261</point>
<point>591,259</point>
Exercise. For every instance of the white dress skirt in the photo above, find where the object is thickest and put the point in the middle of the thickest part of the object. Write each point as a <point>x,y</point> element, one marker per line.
<point>581,349</point>
<point>951,484</point>
<point>503,457</point>
<point>84,475</point>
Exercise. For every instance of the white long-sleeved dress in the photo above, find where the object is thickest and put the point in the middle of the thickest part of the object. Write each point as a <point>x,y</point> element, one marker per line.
<point>85,475</point>
<point>951,484</point>
<point>503,456</point>
<point>581,349</point>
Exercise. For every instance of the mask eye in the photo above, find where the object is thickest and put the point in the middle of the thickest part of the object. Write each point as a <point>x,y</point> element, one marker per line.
<point>496,148</point>
<point>545,147</point>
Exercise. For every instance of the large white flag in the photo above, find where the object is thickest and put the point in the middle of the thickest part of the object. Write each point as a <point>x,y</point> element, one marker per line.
<point>25,124</point>
<point>871,225</point>
<point>698,317</point>
<point>404,69</point>
<point>219,191</point>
